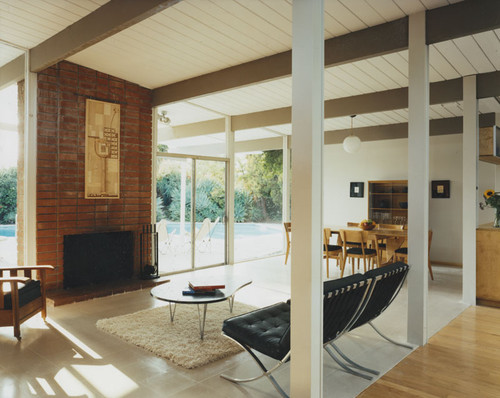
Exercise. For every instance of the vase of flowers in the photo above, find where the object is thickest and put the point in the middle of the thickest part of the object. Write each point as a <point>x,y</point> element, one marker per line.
<point>492,199</point>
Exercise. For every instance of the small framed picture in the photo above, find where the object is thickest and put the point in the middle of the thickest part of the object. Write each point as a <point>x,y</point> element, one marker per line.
<point>357,189</point>
<point>440,189</point>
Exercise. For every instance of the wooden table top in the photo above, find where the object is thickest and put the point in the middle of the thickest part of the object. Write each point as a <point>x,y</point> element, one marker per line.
<point>376,231</point>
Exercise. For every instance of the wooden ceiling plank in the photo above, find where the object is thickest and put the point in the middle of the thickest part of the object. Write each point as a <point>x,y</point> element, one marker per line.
<point>363,11</point>
<point>471,50</point>
<point>440,63</point>
<point>490,44</point>
<point>107,20</point>
<point>367,43</point>
<point>454,56</point>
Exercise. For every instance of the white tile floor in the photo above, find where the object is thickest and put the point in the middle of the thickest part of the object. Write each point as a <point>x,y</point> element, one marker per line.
<point>69,357</point>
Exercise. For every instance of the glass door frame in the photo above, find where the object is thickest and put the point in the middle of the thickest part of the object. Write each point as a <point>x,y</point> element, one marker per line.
<point>194,158</point>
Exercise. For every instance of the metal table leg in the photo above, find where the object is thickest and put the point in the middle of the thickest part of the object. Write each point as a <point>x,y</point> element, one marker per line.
<point>172,312</point>
<point>201,319</point>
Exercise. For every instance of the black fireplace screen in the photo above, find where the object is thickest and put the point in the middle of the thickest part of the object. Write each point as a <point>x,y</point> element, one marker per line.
<point>97,258</point>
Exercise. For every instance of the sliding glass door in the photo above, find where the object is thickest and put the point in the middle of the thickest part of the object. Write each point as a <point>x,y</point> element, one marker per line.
<point>190,212</point>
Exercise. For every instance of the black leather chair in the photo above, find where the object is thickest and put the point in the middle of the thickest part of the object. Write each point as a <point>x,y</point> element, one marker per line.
<point>347,304</point>
<point>267,330</point>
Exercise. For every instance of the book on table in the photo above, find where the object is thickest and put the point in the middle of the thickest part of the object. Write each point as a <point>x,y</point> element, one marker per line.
<point>205,286</point>
<point>190,292</point>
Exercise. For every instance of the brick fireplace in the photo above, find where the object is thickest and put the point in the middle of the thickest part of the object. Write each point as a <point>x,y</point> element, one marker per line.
<point>61,207</point>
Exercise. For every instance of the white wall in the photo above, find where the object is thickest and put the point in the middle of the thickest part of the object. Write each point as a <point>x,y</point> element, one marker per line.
<point>388,160</point>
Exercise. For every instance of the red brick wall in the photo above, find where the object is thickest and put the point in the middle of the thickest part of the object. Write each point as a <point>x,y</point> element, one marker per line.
<point>61,207</point>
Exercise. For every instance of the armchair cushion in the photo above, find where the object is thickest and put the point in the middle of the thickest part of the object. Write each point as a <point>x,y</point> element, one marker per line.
<point>335,284</point>
<point>266,330</point>
<point>27,293</point>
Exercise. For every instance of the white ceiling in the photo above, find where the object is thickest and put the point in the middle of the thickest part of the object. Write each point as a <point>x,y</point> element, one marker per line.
<point>195,37</point>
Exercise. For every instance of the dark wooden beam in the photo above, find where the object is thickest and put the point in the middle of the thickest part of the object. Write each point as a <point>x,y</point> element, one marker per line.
<point>111,18</point>
<point>12,72</point>
<point>445,126</point>
<point>462,19</point>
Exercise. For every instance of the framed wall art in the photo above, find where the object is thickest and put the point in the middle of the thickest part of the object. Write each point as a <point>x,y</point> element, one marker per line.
<point>440,189</point>
<point>102,150</point>
<point>357,189</point>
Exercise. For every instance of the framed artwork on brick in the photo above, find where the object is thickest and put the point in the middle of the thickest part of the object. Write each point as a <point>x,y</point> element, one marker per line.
<point>441,189</point>
<point>357,189</point>
<point>102,150</point>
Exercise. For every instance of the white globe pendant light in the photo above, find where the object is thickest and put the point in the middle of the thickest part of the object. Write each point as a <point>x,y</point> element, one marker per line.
<point>351,143</point>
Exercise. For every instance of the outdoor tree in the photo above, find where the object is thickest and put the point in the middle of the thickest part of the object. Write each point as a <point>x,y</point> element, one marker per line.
<point>8,195</point>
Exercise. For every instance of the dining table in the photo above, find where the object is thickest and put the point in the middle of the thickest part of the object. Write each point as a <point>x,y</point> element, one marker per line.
<point>394,238</point>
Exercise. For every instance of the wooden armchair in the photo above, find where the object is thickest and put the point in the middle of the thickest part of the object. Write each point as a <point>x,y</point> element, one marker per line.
<point>26,296</point>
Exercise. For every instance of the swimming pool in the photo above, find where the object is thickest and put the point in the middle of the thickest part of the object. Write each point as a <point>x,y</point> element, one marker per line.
<point>8,230</point>
<point>241,230</point>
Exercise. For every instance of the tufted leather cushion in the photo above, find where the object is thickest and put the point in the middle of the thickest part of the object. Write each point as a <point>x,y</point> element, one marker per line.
<point>27,293</point>
<point>358,251</point>
<point>266,330</point>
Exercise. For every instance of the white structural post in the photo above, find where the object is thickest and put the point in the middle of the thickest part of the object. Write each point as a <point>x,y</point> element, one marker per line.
<point>30,162</point>
<point>230,190</point>
<point>306,368</point>
<point>418,179</point>
<point>286,179</point>
<point>469,186</point>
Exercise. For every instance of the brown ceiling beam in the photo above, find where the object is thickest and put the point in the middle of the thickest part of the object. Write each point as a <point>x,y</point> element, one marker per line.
<point>111,18</point>
<point>445,126</point>
<point>444,23</point>
<point>447,91</point>
<point>12,72</point>
<point>462,19</point>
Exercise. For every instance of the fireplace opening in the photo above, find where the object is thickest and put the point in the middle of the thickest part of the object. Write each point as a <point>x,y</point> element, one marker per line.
<point>96,258</point>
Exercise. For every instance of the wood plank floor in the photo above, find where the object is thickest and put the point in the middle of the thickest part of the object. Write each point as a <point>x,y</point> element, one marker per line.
<point>462,360</point>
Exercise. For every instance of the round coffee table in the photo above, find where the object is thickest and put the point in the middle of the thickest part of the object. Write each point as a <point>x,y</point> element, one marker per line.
<point>171,292</point>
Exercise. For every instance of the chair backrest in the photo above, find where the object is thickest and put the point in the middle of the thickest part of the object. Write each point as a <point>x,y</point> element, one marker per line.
<point>288,230</point>
<point>352,236</point>
<point>212,226</point>
<point>343,299</point>
<point>161,227</point>
<point>353,224</point>
<point>387,282</point>
<point>204,230</point>
<point>327,233</point>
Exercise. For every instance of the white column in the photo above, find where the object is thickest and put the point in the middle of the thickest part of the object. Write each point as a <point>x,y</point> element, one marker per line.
<point>469,186</point>
<point>306,368</point>
<point>30,163</point>
<point>418,179</point>
<point>154,164</point>
<point>286,180</point>
<point>230,190</point>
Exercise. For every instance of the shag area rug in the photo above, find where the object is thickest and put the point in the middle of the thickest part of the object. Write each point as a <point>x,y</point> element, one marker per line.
<point>178,341</point>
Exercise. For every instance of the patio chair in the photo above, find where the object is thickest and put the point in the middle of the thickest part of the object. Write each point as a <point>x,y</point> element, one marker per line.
<point>203,234</point>
<point>164,238</point>
<point>212,229</point>
<point>267,330</point>
<point>25,298</point>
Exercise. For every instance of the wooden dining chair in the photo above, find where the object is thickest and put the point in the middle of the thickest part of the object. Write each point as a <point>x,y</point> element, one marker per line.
<point>401,254</point>
<point>288,232</point>
<point>331,251</point>
<point>368,255</point>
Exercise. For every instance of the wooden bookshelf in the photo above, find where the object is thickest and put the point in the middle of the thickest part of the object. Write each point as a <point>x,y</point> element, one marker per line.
<point>386,201</point>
